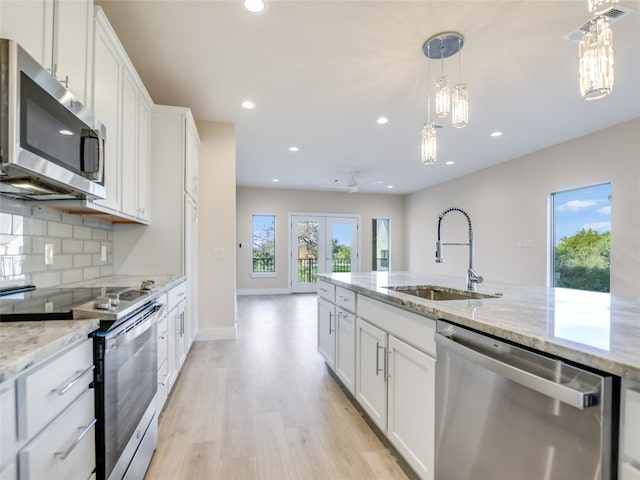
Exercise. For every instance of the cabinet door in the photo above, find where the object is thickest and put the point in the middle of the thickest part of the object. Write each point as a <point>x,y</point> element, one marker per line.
<point>191,162</point>
<point>129,146</point>
<point>106,100</point>
<point>181,335</point>
<point>30,23</point>
<point>172,356</point>
<point>327,332</point>
<point>371,370</point>
<point>346,349</point>
<point>191,267</point>
<point>73,26</point>
<point>411,422</point>
<point>144,159</point>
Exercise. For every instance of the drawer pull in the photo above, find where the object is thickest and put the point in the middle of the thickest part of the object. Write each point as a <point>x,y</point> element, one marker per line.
<point>344,299</point>
<point>71,384</point>
<point>67,452</point>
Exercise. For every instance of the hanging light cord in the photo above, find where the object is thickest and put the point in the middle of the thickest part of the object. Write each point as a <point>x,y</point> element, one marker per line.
<point>428,86</point>
<point>459,59</point>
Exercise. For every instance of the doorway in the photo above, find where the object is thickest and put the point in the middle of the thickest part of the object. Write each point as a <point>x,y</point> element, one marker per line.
<point>322,244</point>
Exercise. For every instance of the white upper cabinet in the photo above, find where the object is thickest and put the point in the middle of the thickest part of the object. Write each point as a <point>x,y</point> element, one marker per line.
<point>58,34</point>
<point>122,103</point>
<point>191,164</point>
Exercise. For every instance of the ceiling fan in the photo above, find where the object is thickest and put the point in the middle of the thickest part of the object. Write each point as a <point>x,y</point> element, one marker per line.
<point>351,183</point>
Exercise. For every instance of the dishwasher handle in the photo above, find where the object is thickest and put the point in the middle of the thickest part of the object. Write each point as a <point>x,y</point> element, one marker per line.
<point>576,397</point>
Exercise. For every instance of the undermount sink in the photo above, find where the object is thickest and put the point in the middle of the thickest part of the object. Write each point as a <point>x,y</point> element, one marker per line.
<point>434,292</point>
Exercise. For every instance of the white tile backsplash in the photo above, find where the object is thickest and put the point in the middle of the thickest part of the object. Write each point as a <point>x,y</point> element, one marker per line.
<point>24,231</point>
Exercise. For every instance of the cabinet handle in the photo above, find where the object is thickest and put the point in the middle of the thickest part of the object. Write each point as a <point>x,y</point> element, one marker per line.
<point>344,299</point>
<point>67,452</point>
<point>378,369</point>
<point>330,317</point>
<point>387,363</point>
<point>66,388</point>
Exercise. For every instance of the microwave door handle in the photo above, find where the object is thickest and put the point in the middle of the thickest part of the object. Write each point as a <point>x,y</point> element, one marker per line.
<point>100,156</point>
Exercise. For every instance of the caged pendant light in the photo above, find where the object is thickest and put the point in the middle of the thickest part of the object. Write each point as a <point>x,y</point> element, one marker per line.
<point>598,7</point>
<point>460,100</point>
<point>596,60</point>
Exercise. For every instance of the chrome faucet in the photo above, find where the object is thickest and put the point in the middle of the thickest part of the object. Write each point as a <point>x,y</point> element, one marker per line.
<point>472,277</point>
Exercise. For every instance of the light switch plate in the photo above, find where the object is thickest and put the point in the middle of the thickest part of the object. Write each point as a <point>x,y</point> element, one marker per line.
<point>218,253</point>
<point>103,253</point>
<point>48,253</point>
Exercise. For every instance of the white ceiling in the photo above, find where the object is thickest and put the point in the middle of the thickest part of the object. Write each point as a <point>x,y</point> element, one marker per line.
<point>321,72</point>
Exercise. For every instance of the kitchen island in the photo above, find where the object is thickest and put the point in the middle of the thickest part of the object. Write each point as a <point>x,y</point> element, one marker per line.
<point>597,330</point>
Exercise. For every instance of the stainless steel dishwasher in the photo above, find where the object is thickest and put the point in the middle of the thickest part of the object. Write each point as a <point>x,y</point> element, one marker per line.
<point>506,413</point>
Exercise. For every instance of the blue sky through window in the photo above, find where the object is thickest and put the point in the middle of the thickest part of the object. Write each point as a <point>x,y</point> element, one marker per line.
<point>588,208</point>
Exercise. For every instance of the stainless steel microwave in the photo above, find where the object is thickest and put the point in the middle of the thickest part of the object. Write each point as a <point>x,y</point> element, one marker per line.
<point>51,145</point>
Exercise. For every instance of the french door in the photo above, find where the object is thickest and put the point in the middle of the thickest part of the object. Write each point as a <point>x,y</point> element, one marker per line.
<point>321,244</point>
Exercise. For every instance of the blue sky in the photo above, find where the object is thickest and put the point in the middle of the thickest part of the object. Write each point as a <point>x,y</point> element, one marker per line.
<point>588,208</point>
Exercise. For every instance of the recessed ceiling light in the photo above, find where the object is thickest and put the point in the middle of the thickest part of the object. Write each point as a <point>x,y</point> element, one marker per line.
<point>276,180</point>
<point>382,120</point>
<point>248,104</point>
<point>255,6</point>
<point>293,148</point>
<point>389,186</point>
<point>497,133</point>
<point>450,162</point>
<point>65,132</point>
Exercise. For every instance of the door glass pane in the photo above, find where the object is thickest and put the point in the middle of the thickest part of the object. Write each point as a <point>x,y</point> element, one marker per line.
<point>341,243</point>
<point>264,240</point>
<point>307,251</point>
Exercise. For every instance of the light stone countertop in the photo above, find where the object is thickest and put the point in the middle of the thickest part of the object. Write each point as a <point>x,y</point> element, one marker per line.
<point>598,330</point>
<point>23,344</point>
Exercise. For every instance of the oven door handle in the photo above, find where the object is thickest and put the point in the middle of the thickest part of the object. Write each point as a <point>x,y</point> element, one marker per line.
<point>578,396</point>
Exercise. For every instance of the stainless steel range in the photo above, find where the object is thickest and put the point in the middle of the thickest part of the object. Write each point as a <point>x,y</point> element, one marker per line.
<point>125,359</point>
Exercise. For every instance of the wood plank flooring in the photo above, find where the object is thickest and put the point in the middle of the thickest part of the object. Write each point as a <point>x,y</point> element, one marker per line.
<point>264,406</point>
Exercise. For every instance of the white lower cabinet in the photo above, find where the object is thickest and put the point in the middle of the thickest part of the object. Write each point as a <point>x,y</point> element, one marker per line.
<point>411,412</point>
<point>630,431</point>
<point>178,343</point>
<point>371,376</point>
<point>327,331</point>
<point>48,418</point>
<point>346,348</point>
<point>385,356</point>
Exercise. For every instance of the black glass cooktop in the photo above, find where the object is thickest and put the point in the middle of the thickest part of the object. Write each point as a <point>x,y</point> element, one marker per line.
<point>28,303</point>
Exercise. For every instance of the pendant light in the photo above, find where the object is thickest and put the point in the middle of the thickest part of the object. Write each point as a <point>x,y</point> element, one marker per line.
<point>596,60</point>
<point>460,100</point>
<point>429,135</point>
<point>598,7</point>
<point>443,94</point>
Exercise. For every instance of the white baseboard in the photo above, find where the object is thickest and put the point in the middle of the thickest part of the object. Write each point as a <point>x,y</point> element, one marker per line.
<point>262,291</point>
<point>206,334</point>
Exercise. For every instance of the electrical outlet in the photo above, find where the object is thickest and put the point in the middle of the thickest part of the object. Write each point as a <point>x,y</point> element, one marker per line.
<point>48,253</point>
<point>103,253</point>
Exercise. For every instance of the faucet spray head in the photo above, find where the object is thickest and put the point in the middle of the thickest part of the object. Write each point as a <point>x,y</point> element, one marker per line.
<point>439,258</point>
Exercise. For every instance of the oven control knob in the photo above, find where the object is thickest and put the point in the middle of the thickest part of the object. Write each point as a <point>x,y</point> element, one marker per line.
<point>102,303</point>
<point>114,299</point>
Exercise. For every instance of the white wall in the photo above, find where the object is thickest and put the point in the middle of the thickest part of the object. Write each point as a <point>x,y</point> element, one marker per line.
<point>217,230</point>
<point>282,202</point>
<point>509,202</point>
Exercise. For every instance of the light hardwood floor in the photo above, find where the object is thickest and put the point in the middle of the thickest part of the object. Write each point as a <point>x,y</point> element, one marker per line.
<point>264,406</point>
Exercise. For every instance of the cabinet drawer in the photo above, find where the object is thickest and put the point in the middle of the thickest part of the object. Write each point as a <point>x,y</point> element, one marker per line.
<point>177,294</point>
<point>414,329</point>
<point>346,299</point>
<point>66,448</point>
<point>326,291</point>
<point>45,392</point>
<point>163,384</point>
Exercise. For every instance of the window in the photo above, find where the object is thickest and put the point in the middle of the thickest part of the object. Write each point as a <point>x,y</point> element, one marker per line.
<point>380,250</point>
<point>582,238</point>
<point>264,243</point>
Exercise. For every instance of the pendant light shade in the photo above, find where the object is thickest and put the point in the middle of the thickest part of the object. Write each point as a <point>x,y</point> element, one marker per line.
<point>460,106</point>
<point>429,144</point>
<point>597,7</point>
<point>443,97</point>
<point>596,60</point>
